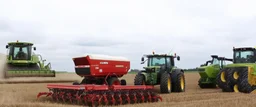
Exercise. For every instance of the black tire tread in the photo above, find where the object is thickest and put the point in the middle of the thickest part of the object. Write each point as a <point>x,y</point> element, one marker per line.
<point>164,83</point>
<point>138,80</point>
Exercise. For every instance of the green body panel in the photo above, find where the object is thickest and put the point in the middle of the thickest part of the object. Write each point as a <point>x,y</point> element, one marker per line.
<point>208,73</point>
<point>32,67</point>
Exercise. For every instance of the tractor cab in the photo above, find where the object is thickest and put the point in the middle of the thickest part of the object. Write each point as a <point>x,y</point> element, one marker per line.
<point>19,50</point>
<point>159,62</point>
<point>244,55</point>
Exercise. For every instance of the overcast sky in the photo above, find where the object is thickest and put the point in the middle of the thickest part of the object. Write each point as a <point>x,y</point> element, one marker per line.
<point>62,29</point>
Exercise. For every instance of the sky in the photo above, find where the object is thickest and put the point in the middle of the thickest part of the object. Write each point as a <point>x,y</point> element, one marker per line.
<point>194,30</point>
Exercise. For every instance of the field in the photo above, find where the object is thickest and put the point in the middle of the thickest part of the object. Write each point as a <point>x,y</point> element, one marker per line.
<point>24,95</point>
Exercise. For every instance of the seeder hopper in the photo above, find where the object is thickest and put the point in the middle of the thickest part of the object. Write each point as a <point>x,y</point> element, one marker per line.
<point>101,85</point>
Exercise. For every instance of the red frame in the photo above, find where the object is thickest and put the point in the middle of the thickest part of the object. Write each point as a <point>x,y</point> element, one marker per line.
<point>102,67</point>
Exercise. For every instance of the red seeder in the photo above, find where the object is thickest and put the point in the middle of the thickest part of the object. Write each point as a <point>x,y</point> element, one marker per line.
<point>95,95</point>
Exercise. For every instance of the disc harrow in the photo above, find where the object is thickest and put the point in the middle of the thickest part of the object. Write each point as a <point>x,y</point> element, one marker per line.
<point>95,95</point>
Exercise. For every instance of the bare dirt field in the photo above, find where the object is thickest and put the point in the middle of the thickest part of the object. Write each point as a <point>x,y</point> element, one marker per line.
<point>24,95</point>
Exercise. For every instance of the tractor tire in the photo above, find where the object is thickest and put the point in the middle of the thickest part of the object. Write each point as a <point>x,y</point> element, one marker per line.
<point>243,84</point>
<point>165,83</point>
<point>139,80</point>
<point>210,85</point>
<point>221,81</point>
<point>179,84</point>
<point>113,81</point>
<point>233,75</point>
<point>123,82</point>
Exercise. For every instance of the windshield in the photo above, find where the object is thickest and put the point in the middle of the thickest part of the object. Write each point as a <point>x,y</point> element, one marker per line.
<point>157,61</point>
<point>244,56</point>
<point>215,61</point>
<point>20,52</point>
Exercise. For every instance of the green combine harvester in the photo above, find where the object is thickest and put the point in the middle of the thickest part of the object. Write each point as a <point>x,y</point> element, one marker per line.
<point>22,62</point>
<point>208,71</point>
<point>241,75</point>
<point>161,70</point>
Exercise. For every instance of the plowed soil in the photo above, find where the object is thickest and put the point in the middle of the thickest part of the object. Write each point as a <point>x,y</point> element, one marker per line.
<point>24,95</point>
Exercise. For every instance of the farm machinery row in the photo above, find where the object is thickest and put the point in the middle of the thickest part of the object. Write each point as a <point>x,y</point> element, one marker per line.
<point>239,76</point>
<point>101,84</point>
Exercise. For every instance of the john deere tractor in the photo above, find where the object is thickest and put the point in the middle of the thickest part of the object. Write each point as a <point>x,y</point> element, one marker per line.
<point>161,70</point>
<point>208,71</point>
<point>22,62</point>
<point>241,75</point>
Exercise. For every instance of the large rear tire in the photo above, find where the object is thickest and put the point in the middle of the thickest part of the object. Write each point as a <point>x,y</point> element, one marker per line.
<point>179,84</point>
<point>165,83</point>
<point>233,75</point>
<point>221,81</point>
<point>139,80</point>
<point>243,84</point>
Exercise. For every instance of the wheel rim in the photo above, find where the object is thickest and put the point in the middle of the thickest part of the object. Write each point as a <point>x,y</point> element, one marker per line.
<point>182,83</point>
<point>235,75</point>
<point>169,84</point>
<point>236,88</point>
<point>222,77</point>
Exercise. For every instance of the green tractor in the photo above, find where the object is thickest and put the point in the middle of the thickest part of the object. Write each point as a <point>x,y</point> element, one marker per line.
<point>241,75</point>
<point>161,70</point>
<point>208,71</point>
<point>22,62</point>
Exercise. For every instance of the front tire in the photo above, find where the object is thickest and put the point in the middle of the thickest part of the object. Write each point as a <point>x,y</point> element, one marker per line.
<point>139,80</point>
<point>179,85</point>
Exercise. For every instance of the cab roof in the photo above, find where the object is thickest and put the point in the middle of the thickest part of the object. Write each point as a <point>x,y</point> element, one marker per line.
<point>243,48</point>
<point>154,55</point>
<point>20,43</point>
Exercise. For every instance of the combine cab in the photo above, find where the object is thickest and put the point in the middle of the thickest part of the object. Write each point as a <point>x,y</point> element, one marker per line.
<point>241,75</point>
<point>208,71</point>
<point>101,85</point>
<point>21,62</point>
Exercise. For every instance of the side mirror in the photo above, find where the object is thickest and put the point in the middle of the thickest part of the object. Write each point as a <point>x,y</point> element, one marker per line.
<point>34,48</point>
<point>178,58</point>
<point>6,46</point>
<point>142,59</point>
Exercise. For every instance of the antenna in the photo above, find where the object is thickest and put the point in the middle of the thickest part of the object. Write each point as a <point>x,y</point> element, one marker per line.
<point>170,52</point>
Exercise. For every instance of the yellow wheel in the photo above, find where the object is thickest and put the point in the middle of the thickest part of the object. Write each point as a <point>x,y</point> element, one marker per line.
<point>235,75</point>
<point>182,83</point>
<point>236,88</point>
<point>169,84</point>
<point>222,76</point>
